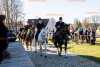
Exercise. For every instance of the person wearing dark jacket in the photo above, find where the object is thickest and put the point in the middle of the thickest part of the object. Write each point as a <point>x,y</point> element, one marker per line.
<point>87,35</point>
<point>93,38</point>
<point>61,35</point>
<point>3,38</point>
<point>39,26</point>
<point>60,24</point>
<point>59,27</point>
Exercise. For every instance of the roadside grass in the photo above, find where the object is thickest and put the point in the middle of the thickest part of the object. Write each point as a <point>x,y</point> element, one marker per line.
<point>89,51</point>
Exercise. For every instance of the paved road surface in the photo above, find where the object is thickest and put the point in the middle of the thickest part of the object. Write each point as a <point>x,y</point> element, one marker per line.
<point>19,58</point>
<point>53,60</point>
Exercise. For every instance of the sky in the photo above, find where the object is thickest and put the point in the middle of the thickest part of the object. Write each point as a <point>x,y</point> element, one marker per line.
<point>68,9</point>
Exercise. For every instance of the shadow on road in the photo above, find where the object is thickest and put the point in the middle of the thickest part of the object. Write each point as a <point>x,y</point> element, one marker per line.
<point>92,58</point>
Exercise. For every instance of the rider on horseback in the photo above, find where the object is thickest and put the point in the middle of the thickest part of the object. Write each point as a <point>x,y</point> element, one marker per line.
<point>60,36</point>
<point>39,26</point>
<point>59,25</point>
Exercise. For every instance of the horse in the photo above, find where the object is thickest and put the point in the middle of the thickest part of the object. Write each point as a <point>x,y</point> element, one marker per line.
<point>19,34</point>
<point>43,40</point>
<point>43,36</point>
<point>36,38</point>
<point>29,37</point>
<point>26,35</point>
<point>22,35</point>
<point>61,37</point>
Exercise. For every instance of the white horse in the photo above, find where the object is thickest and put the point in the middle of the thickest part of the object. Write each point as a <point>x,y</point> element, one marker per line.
<point>43,36</point>
<point>43,40</point>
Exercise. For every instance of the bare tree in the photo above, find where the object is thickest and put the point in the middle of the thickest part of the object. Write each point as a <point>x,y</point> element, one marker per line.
<point>86,23</point>
<point>13,11</point>
<point>77,24</point>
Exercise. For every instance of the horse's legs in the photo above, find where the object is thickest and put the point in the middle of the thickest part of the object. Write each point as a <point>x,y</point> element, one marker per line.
<point>55,44</point>
<point>40,44</point>
<point>22,41</point>
<point>60,50</point>
<point>36,46</point>
<point>60,46</point>
<point>30,43</point>
<point>45,44</point>
<point>27,44</point>
<point>65,47</point>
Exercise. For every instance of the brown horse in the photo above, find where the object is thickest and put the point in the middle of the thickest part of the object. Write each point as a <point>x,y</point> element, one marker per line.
<point>61,38</point>
<point>21,35</point>
<point>29,37</point>
<point>26,35</point>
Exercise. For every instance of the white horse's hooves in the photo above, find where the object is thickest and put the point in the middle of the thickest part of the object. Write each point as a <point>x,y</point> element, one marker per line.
<point>41,55</point>
<point>45,56</point>
<point>35,51</point>
<point>27,48</point>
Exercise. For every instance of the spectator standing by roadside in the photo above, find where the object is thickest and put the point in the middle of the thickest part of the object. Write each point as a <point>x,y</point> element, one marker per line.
<point>88,35</point>
<point>93,38</point>
<point>3,38</point>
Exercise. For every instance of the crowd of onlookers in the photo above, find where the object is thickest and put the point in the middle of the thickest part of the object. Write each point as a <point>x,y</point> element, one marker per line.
<point>84,35</point>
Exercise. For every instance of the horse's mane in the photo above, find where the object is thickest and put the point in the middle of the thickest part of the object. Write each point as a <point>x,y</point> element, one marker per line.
<point>51,25</point>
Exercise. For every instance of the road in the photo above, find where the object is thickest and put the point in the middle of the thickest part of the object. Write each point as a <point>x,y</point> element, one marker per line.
<point>53,60</point>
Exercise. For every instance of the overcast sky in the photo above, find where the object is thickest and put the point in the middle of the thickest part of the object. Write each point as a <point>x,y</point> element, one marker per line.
<point>69,9</point>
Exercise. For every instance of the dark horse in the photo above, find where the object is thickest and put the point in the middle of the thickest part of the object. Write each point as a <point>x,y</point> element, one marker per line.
<point>29,37</point>
<point>61,37</point>
<point>21,34</point>
<point>26,35</point>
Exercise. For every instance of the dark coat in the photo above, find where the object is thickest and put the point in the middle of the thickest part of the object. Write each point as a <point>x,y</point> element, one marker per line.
<point>3,37</point>
<point>59,25</point>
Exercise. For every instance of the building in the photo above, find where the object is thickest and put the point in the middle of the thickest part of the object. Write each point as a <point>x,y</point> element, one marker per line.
<point>35,21</point>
